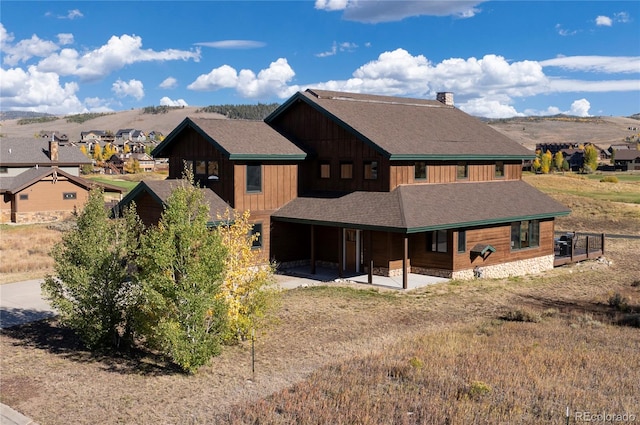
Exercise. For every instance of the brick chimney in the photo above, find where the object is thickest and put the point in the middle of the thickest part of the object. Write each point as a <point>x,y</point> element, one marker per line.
<point>445,97</point>
<point>53,150</point>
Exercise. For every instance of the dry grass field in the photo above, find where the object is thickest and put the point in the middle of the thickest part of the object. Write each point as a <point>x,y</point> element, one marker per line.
<point>511,351</point>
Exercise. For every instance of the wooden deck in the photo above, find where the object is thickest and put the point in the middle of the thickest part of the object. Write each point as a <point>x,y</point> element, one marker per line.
<point>574,247</point>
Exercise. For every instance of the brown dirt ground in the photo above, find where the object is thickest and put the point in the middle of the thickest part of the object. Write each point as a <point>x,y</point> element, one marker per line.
<point>47,375</point>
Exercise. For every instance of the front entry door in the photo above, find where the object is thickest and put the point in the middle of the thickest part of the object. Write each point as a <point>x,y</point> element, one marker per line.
<point>351,245</point>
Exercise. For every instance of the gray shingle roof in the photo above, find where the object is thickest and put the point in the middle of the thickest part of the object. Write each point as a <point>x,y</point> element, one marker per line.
<point>33,175</point>
<point>422,207</point>
<point>239,139</point>
<point>404,128</point>
<point>30,152</point>
<point>626,154</point>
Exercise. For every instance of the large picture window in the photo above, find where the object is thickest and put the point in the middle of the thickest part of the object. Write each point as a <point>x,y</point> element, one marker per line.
<point>437,241</point>
<point>254,178</point>
<point>525,234</point>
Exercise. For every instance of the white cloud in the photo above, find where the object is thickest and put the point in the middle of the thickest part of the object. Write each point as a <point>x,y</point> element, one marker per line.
<point>232,44</point>
<point>38,91</point>
<point>565,32</point>
<point>396,10</point>
<point>580,108</point>
<point>604,21</point>
<point>133,88</point>
<point>26,49</point>
<point>622,17</point>
<point>331,52</point>
<point>65,38</point>
<point>489,108</point>
<point>73,14</point>
<point>271,81</point>
<point>165,101</point>
<point>116,54</point>
<point>604,64</point>
<point>169,83</point>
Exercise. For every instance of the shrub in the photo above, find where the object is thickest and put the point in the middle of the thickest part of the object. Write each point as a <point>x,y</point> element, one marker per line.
<point>522,315</point>
<point>618,301</point>
<point>609,179</point>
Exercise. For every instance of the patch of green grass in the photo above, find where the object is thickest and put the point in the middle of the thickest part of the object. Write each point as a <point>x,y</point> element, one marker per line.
<point>126,185</point>
<point>623,177</point>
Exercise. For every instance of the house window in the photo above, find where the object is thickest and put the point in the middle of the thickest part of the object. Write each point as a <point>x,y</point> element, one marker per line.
<point>346,170</point>
<point>325,170</point>
<point>4,170</point>
<point>420,170</point>
<point>256,236</point>
<point>254,178</point>
<point>24,196</point>
<point>69,195</point>
<point>213,170</point>
<point>525,234</point>
<point>371,170</point>
<point>463,171</point>
<point>437,241</point>
<point>499,169</point>
<point>201,168</point>
<point>462,241</point>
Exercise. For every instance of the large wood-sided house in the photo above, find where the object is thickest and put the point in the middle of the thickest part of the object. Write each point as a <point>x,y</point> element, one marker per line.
<point>40,180</point>
<point>363,182</point>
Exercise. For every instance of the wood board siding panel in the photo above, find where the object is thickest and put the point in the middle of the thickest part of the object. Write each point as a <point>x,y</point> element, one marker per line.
<point>46,195</point>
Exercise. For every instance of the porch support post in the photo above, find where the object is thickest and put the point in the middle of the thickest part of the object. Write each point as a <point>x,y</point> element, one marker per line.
<point>313,249</point>
<point>340,254</point>
<point>602,243</point>
<point>405,262</point>
<point>587,243</point>
<point>368,235</point>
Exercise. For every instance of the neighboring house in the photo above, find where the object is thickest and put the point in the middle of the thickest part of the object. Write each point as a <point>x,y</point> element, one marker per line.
<point>118,161</point>
<point>574,157</point>
<point>627,159</point>
<point>130,134</point>
<point>39,180</point>
<point>54,135</point>
<point>386,184</point>
<point>95,136</point>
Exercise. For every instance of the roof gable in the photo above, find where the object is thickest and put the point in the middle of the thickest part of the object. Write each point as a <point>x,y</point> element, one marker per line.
<point>237,139</point>
<point>410,129</point>
<point>35,174</point>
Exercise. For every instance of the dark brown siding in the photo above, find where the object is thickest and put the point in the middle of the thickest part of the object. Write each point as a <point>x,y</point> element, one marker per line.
<point>420,257</point>
<point>326,141</point>
<point>191,146</point>
<point>149,209</point>
<point>290,241</point>
<point>279,186</point>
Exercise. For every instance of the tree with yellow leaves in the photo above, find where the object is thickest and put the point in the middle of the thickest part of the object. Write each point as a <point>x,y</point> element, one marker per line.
<point>248,284</point>
<point>545,162</point>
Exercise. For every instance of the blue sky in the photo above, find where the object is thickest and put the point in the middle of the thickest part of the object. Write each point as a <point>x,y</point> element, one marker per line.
<point>499,58</point>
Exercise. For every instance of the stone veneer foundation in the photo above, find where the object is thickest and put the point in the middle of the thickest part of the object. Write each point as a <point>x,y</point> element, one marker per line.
<point>41,216</point>
<point>513,268</point>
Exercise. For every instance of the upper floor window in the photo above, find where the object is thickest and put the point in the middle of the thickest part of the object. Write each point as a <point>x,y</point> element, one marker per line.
<point>525,234</point>
<point>346,170</point>
<point>437,241</point>
<point>254,177</point>
<point>371,170</point>
<point>69,195</point>
<point>420,170</point>
<point>462,171</point>
<point>24,196</point>
<point>325,170</point>
<point>499,169</point>
<point>4,170</point>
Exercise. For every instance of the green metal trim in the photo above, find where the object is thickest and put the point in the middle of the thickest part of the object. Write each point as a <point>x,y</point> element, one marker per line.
<point>267,157</point>
<point>422,229</point>
<point>456,157</point>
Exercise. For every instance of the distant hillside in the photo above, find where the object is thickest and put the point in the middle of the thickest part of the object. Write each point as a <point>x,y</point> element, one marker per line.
<point>602,131</point>
<point>527,131</point>
<point>14,115</point>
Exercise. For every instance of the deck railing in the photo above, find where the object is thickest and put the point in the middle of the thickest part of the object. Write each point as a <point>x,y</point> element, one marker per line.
<point>574,247</point>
